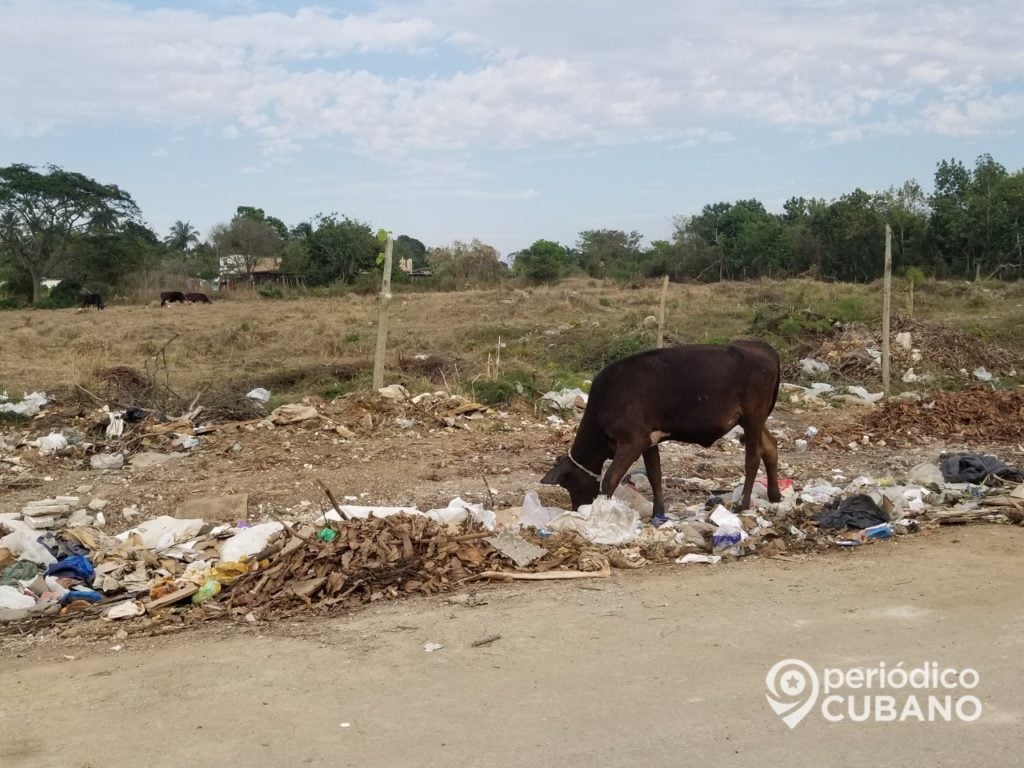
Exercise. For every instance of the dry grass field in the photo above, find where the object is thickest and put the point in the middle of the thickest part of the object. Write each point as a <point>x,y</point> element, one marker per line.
<point>553,333</point>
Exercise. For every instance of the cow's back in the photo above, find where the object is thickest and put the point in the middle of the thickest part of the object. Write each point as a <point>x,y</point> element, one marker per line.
<point>694,393</point>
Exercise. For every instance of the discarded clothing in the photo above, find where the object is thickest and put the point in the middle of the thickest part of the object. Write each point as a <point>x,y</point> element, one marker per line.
<point>974,468</point>
<point>855,512</point>
<point>88,595</point>
<point>75,567</point>
<point>23,570</point>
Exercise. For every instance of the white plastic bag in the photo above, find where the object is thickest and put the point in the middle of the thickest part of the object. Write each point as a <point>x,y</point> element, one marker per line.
<point>606,521</point>
<point>15,599</point>
<point>248,541</point>
<point>535,514</point>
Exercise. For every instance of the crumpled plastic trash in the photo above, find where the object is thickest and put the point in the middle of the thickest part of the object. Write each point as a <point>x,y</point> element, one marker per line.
<point>259,394</point>
<point>692,558</point>
<point>185,441</point>
<point>248,541</point>
<point>164,531</point>
<point>30,404</point>
<point>115,425</point>
<point>458,509</point>
<point>535,514</point>
<point>565,399</point>
<point>819,492</point>
<point>759,493</point>
<point>606,521</point>
<point>816,389</point>
<point>981,374</point>
<point>51,443</point>
<point>23,543</point>
<point>14,599</point>
<point>210,589</point>
<point>729,533</point>
<point>106,460</point>
<point>126,610</point>
<point>925,473</point>
<point>811,366</point>
<point>862,394</point>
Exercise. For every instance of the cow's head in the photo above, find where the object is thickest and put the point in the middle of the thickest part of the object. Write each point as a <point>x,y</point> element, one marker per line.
<point>582,487</point>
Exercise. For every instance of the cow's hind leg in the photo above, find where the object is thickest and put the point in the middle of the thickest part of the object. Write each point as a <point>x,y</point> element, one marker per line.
<point>752,456</point>
<point>770,455</point>
<point>652,461</point>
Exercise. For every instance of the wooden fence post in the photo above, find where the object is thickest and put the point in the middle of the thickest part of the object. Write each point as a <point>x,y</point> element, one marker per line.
<point>382,320</point>
<point>886,308</point>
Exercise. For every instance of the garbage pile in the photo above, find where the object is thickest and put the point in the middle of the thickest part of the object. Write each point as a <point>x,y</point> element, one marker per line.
<point>350,555</point>
<point>106,437</point>
<point>852,352</point>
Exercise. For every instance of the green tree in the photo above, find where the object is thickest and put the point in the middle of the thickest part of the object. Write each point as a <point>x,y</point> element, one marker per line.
<point>182,237</point>
<point>738,239</point>
<point>43,216</point>
<point>258,214</point>
<point>905,209</point>
<point>543,262</point>
<point>331,249</point>
<point>852,233</point>
<point>409,249</point>
<point>604,252</point>
<point>102,261</point>
<point>246,241</point>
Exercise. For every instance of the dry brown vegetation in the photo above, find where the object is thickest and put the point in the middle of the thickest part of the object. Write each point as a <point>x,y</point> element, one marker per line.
<point>305,344</point>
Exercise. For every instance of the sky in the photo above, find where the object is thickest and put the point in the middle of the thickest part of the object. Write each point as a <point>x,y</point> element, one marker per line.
<point>504,120</point>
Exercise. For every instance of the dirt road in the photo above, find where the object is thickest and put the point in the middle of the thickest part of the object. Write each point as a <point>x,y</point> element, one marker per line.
<point>661,667</point>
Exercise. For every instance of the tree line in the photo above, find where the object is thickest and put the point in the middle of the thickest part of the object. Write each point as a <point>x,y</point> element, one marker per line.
<point>60,224</point>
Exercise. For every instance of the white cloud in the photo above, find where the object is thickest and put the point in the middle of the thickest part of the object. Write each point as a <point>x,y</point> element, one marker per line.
<point>447,75</point>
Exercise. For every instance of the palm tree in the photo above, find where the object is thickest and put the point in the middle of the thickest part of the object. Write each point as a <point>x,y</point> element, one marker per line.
<point>183,236</point>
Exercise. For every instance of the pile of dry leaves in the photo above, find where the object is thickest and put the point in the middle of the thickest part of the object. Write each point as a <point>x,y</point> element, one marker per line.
<point>977,413</point>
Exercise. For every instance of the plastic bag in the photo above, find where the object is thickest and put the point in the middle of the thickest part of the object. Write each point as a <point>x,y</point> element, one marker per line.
<point>14,598</point>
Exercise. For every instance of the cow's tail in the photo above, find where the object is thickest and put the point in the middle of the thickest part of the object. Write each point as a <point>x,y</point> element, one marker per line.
<point>778,381</point>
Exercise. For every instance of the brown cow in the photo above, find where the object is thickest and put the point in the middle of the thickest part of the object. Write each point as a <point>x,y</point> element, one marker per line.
<point>171,297</point>
<point>692,394</point>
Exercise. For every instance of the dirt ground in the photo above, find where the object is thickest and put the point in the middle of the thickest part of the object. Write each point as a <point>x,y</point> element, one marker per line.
<point>664,666</point>
<point>661,666</point>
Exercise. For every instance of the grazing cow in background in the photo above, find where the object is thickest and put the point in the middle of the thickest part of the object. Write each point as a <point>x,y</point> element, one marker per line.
<point>197,298</point>
<point>171,297</point>
<point>92,300</point>
<point>693,394</point>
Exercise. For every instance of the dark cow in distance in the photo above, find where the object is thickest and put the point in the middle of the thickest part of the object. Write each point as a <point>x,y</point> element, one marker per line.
<point>692,394</point>
<point>171,297</point>
<point>197,298</point>
<point>92,300</point>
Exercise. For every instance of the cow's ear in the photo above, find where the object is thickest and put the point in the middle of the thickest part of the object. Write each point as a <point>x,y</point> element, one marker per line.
<point>556,474</point>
